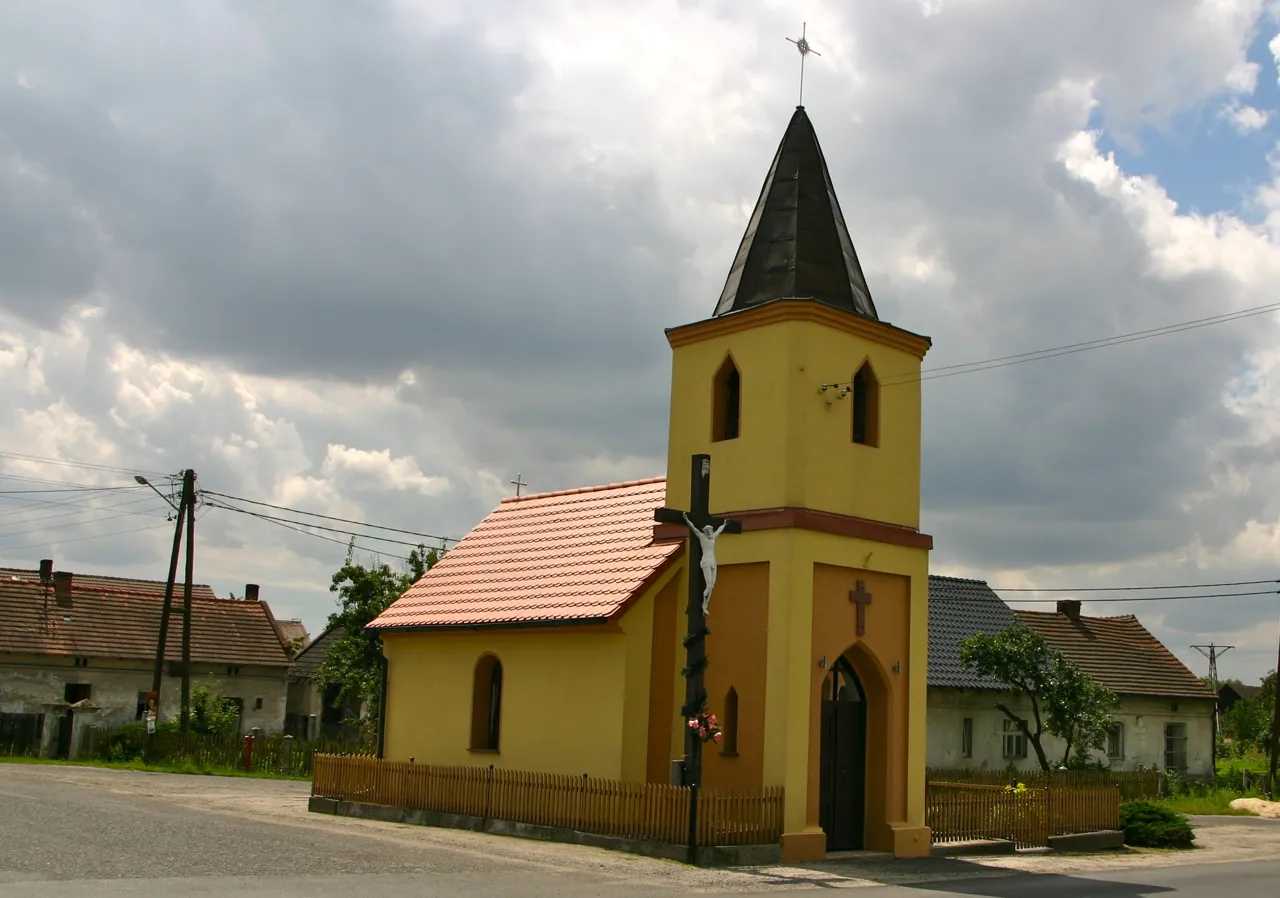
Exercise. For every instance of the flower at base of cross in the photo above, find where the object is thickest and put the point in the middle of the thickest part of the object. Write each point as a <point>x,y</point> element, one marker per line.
<point>706,726</point>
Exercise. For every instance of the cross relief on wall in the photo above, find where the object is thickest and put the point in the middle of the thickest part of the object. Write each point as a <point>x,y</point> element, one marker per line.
<point>861,598</point>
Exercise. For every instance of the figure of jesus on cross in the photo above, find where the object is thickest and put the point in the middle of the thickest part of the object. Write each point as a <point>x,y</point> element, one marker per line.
<point>707,540</point>
<point>701,562</point>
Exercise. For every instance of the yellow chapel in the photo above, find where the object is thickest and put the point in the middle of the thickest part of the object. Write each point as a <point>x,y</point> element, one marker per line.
<point>550,638</point>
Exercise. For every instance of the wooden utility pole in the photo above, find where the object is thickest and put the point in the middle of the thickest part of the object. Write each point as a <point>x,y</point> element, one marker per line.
<point>189,502</point>
<point>157,676</point>
<point>1275,730</point>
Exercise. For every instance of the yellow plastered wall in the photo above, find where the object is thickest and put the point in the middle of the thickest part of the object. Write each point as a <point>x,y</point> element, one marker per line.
<point>574,700</point>
<point>562,699</point>
<point>795,446</point>
<point>795,449</point>
<point>792,554</point>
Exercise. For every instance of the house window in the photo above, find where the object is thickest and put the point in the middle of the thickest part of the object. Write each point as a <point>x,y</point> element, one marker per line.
<point>1015,741</point>
<point>141,710</point>
<point>486,704</point>
<point>866,406</point>
<point>1115,742</point>
<point>966,738</point>
<point>726,419</point>
<point>1175,746</point>
<point>729,730</point>
<point>257,704</point>
<point>76,692</point>
<point>233,671</point>
<point>82,662</point>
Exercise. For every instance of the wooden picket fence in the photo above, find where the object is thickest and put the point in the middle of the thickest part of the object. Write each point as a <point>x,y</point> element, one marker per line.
<point>961,812</point>
<point>1134,785</point>
<point>644,811</point>
<point>20,734</point>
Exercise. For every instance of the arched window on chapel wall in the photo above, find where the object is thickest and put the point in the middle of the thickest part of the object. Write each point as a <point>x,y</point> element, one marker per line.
<point>486,704</point>
<point>729,725</point>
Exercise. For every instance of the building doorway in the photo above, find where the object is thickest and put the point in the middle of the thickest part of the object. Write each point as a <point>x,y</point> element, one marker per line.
<point>71,693</point>
<point>843,779</point>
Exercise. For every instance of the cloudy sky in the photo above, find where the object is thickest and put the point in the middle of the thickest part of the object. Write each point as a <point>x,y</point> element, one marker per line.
<point>371,259</point>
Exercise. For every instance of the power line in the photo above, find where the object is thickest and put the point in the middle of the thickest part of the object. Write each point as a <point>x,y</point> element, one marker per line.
<point>1136,588</point>
<point>1069,348</point>
<point>79,539</point>
<point>39,505</point>
<point>267,517</point>
<point>109,515</point>
<point>298,529</point>
<point>77,489</point>
<point>22,478</point>
<point>117,509</point>
<point>443,539</point>
<point>1218,595</point>
<point>72,463</point>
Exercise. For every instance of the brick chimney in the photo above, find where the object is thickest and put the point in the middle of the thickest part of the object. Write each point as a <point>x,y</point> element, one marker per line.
<point>46,570</point>
<point>1070,607</point>
<point>62,587</point>
<point>251,592</point>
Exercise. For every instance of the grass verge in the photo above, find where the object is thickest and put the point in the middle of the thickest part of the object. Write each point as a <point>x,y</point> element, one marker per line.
<point>163,767</point>
<point>1216,802</point>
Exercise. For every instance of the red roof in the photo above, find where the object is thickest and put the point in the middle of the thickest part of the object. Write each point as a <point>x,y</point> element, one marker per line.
<point>111,617</point>
<point>1118,652</point>
<point>574,555</point>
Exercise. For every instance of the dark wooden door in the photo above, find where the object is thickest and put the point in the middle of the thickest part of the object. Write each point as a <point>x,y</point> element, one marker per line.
<point>842,800</point>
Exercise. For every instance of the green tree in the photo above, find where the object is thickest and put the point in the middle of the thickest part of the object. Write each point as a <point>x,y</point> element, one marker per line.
<point>211,713</point>
<point>1065,701</point>
<point>353,662</point>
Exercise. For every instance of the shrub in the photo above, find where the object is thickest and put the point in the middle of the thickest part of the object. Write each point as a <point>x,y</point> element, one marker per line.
<point>1151,825</point>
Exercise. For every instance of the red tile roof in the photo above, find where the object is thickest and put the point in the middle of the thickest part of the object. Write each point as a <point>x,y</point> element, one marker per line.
<point>112,617</point>
<point>1118,652</point>
<point>573,555</point>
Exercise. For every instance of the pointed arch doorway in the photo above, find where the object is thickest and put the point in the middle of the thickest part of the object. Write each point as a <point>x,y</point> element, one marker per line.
<point>843,775</point>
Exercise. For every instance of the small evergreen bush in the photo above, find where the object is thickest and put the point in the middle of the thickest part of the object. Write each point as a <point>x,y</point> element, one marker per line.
<point>1148,824</point>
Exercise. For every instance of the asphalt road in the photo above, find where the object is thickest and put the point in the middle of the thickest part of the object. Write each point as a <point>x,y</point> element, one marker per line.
<point>82,832</point>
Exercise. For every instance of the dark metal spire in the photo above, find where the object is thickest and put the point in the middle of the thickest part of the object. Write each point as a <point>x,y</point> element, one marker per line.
<point>797,244</point>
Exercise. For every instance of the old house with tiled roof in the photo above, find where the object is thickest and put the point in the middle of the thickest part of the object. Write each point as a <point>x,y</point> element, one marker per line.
<point>553,638</point>
<point>1166,715</point>
<point>69,637</point>
<point>312,712</point>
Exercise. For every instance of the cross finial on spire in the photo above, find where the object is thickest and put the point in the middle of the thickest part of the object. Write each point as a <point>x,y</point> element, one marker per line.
<point>803,46</point>
<point>517,483</point>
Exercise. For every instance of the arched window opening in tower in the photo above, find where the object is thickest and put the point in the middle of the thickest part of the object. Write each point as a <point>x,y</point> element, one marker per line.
<point>727,397</point>
<point>866,406</point>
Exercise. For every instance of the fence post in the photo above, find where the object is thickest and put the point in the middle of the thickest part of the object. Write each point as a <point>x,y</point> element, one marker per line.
<point>286,755</point>
<point>488,794</point>
<point>693,824</point>
<point>248,752</point>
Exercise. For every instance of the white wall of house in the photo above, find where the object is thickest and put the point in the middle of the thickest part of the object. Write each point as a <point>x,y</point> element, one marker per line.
<point>117,686</point>
<point>1146,725</point>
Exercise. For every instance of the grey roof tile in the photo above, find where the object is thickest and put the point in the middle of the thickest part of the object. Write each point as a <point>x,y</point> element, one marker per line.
<point>958,609</point>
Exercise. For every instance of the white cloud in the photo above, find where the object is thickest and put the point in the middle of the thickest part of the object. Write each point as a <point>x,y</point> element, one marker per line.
<point>1245,119</point>
<point>454,257</point>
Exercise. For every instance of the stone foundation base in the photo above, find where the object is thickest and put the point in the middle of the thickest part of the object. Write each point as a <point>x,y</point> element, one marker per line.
<point>807,845</point>
<point>705,856</point>
<point>910,840</point>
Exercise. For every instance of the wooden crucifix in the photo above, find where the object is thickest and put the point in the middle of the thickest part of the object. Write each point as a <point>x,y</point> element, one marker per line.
<point>862,599</point>
<point>704,530</point>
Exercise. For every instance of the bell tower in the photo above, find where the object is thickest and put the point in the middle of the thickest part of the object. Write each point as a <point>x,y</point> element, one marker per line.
<point>804,396</point>
<point>809,407</point>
